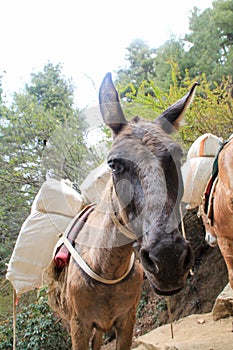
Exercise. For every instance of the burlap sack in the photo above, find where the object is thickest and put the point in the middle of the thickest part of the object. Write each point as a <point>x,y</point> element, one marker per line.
<point>197,170</point>
<point>53,208</point>
<point>58,197</point>
<point>94,185</point>
<point>196,173</point>
<point>206,145</point>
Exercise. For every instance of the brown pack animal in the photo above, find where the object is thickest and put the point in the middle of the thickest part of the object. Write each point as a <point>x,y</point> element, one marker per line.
<point>141,204</point>
<point>219,227</point>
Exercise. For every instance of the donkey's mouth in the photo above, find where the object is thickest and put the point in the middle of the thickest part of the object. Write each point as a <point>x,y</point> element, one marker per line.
<point>166,293</point>
<point>163,290</point>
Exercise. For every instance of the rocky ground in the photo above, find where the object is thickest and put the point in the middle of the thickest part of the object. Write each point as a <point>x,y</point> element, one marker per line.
<point>195,332</point>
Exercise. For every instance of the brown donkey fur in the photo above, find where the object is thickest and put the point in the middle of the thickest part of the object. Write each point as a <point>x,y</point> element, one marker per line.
<point>222,227</point>
<point>143,194</point>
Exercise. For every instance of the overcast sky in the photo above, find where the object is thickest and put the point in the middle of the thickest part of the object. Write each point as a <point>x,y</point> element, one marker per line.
<point>88,37</point>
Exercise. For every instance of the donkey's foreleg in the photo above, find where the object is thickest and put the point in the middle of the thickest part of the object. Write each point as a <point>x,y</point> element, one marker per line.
<point>124,331</point>
<point>226,247</point>
<point>80,334</point>
<point>97,340</point>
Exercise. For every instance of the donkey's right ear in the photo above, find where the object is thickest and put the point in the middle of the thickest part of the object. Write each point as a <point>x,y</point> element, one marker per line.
<point>110,105</point>
<point>171,118</point>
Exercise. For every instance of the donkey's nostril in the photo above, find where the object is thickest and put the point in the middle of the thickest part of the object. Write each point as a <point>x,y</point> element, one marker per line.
<point>148,263</point>
<point>188,259</point>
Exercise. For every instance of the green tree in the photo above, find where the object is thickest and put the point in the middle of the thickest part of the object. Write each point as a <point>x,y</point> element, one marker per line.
<point>41,131</point>
<point>171,51</point>
<point>223,19</point>
<point>207,49</point>
<point>140,58</point>
<point>211,40</point>
<point>204,55</point>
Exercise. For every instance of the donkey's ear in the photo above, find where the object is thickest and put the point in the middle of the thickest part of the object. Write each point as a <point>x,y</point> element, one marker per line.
<point>110,105</point>
<point>172,116</point>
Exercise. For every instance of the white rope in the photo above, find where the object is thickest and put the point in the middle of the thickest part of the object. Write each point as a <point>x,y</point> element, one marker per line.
<point>14,318</point>
<point>182,224</point>
<point>79,260</point>
<point>170,316</point>
<point>122,228</point>
<point>184,234</point>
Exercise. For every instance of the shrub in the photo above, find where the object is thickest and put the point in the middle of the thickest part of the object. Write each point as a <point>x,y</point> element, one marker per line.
<point>37,328</point>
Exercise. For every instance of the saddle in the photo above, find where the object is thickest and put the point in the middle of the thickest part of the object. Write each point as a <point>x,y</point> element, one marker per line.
<point>62,254</point>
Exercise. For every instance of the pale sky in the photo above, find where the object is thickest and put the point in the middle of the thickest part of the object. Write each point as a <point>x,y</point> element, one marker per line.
<point>88,37</point>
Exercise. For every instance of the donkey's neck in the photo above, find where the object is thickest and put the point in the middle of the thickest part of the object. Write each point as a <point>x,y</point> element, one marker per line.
<point>102,245</point>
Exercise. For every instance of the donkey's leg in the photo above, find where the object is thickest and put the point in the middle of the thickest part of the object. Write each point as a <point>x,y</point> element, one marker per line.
<point>97,340</point>
<point>124,331</point>
<point>226,247</point>
<point>80,334</point>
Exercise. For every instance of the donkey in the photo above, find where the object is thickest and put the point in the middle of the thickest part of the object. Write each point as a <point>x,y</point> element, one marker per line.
<point>219,229</point>
<point>140,204</point>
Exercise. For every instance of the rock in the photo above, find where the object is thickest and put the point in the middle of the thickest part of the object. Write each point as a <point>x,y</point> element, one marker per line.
<point>201,321</point>
<point>223,306</point>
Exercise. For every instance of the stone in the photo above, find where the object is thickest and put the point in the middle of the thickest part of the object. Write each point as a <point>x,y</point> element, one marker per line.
<point>223,306</point>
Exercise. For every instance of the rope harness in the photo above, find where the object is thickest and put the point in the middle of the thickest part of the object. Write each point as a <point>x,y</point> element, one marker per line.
<point>80,261</point>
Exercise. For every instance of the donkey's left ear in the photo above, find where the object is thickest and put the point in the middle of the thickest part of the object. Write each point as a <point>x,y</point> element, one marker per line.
<point>171,118</point>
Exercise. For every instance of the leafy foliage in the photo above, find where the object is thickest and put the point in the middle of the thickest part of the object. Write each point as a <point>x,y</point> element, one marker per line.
<point>211,110</point>
<point>223,19</point>
<point>40,132</point>
<point>204,55</point>
<point>171,51</point>
<point>141,66</point>
<point>37,328</point>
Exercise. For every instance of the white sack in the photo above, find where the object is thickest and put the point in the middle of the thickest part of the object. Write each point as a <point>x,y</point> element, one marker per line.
<point>58,197</point>
<point>94,185</point>
<point>34,249</point>
<point>53,208</point>
<point>206,145</point>
<point>196,173</point>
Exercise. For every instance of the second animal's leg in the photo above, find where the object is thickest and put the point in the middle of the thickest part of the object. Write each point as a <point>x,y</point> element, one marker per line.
<point>226,247</point>
<point>97,340</point>
<point>80,334</point>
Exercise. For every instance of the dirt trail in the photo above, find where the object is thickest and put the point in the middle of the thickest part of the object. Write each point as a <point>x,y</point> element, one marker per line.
<point>195,332</point>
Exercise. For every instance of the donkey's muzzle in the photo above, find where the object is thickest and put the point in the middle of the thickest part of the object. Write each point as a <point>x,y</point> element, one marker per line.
<point>167,265</point>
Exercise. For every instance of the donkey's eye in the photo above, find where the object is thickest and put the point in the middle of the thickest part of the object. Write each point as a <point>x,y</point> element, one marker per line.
<point>116,165</point>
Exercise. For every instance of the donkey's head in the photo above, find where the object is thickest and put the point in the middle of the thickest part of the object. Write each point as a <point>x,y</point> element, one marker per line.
<point>145,165</point>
